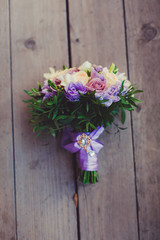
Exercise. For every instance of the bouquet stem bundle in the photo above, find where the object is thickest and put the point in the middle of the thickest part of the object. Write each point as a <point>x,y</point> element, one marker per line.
<point>87,177</point>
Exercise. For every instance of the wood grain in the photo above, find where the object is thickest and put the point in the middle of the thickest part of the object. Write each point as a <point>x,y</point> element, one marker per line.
<point>7,216</point>
<point>44,172</point>
<point>107,210</point>
<point>143,30</point>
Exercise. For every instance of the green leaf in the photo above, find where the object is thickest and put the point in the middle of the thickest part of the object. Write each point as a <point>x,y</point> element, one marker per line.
<point>82,121</point>
<point>50,112</point>
<point>39,86</point>
<point>123,116</point>
<point>35,90</point>
<point>132,103</point>
<point>89,73</point>
<point>51,84</point>
<point>26,91</point>
<point>27,101</point>
<point>112,67</point>
<point>56,124</point>
<point>92,125</point>
<point>137,91</point>
<point>87,126</point>
<point>52,132</point>
<point>135,99</point>
<point>50,103</point>
<point>81,117</point>
<point>102,101</point>
<point>55,114</point>
<point>64,67</point>
<point>122,86</point>
<point>87,107</point>
<point>115,69</point>
<point>40,131</point>
<point>35,129</point>
<point>62,117</point>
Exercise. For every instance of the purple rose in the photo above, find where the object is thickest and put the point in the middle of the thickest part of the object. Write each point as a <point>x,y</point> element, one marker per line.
<point>95,74</point>
<point>111,95</point>
<point>47,91</point>
<point>72,91</point>
<point>98,69</point>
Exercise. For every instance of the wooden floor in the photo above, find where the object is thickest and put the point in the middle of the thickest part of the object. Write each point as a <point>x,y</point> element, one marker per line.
<point>37,177</point>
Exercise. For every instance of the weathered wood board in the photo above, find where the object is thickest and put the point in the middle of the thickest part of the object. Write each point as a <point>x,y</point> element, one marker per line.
<point>143,32</point>
<point>40,206</point>
<point>44,172</point>
<point>7,215</point>
<point>107,210</point>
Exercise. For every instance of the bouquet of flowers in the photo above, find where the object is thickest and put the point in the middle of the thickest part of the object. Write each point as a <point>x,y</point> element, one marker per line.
<point>81,102</point>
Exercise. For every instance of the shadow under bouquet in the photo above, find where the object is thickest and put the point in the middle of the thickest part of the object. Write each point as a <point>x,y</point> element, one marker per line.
<point>81,102</point>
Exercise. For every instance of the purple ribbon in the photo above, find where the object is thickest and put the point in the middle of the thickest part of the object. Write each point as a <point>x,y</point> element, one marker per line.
<point>85,146</point>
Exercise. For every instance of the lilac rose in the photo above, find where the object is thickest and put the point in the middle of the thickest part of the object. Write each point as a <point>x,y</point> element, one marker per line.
<point>95,74</point>
<point>111,94</point>
<point>72,91</point>
<point>98,69</point>
<point>47,91</point>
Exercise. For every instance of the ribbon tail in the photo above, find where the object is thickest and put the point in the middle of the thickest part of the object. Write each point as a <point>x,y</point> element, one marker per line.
<point>65,137</point>
<point>66,142</point>
<point>71,147</point>
<point>96,133</point>
<point>96,146</point>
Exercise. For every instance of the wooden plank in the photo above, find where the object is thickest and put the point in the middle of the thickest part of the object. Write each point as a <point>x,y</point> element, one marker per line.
<point>44,171</point>
<point>107,210</point>
<point>143,24</point>
<point>7,216</point>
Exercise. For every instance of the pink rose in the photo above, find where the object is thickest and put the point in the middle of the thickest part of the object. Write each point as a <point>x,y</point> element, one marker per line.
<point>96,84</point>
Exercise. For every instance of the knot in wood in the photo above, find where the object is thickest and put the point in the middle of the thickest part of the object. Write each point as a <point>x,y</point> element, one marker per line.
<point>149,32</point>
<point>30,44</point>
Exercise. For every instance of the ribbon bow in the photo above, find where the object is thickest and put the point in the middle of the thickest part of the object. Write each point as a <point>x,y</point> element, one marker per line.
<point>85,146</point>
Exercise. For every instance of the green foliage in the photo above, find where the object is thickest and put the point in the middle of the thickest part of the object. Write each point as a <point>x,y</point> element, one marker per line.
<point>85,115</point>
<point>113,68</point>
<point>64,67</point>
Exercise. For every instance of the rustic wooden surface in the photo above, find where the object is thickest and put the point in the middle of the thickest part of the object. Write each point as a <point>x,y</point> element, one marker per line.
<point>110,205</point>
<point>44,172</point>
<point>143,21</point>
<point>37,177</point>
<point>7,205</point>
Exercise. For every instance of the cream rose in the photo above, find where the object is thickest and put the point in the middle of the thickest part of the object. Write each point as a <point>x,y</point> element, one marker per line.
<point>111,78</point>
<point>80,76</point>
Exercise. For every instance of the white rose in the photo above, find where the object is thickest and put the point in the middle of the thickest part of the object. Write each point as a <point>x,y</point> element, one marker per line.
<point>111,78</point>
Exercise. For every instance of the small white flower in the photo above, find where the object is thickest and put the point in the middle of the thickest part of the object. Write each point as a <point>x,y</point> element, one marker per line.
<point>85,66</point>
<point>54,73</point>
<point>105,70</point>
